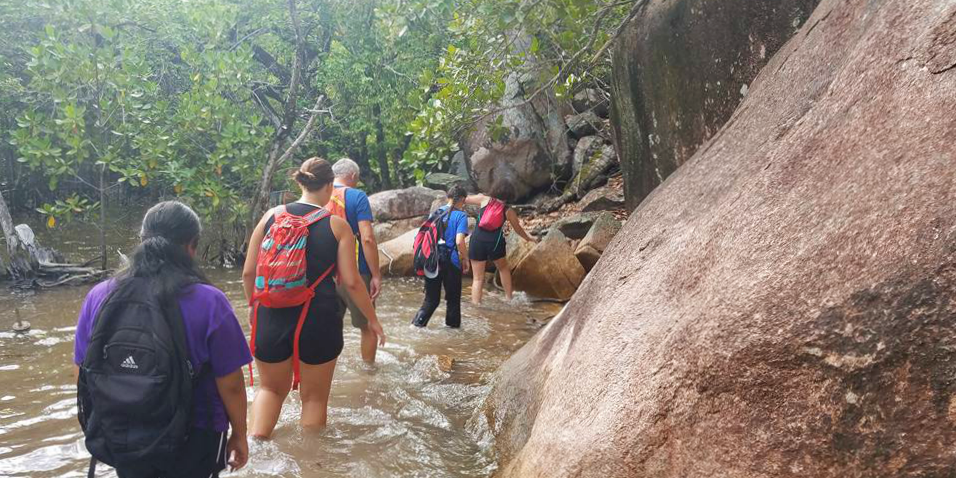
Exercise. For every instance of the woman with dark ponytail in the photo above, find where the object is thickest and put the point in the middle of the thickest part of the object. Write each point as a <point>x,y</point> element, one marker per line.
<point>302,342</point>
<point>163,265</point>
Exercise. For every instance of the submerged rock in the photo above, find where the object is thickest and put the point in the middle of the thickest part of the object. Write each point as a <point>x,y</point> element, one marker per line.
<point>783,305</point>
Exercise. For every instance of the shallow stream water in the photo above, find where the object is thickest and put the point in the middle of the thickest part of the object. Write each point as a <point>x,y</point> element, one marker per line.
<point>410,414</point>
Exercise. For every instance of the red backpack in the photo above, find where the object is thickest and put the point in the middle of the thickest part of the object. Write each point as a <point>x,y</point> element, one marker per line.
<point>281,267</point>
<point>426,254</point>
<point>493,216</point>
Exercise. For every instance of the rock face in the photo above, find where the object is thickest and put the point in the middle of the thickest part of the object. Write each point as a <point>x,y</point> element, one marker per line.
<point>589,250</point>
<point>395,256</point>
<point>550,270</point>
<point>387,230</point>
<point>577,226</point>
<point>783,305</point>
<point>602,200</point>
<point>534,147</point>
<point>443,181</point>
<point>680,70</point>
<point>403,203</point>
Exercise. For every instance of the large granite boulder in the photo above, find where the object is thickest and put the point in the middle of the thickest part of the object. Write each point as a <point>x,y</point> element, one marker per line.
<point>396,257</point>
<point>535,143</point>
<point>592,246</point>
<point>387,230</point>
<point>550,270</point>
<point>403,203</point>
<point>680,70</point>
<point>783,306</point>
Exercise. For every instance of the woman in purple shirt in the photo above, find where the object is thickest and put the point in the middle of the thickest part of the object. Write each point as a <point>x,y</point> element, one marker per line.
<point>214,340</point>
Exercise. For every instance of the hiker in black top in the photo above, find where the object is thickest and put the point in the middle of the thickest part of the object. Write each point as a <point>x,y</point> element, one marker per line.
<point>330,241</point>
<point>490,246</point>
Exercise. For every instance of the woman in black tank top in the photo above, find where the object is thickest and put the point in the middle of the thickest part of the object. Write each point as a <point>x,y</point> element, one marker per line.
<point>330,247</point>
<point>488,246</point>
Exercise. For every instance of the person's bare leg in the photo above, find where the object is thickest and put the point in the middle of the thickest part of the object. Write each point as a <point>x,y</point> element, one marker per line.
<point>369,345</point>
<point>478,281</point>
<point>275,381</point>
<point>505,272</point>
<point>314,392</point>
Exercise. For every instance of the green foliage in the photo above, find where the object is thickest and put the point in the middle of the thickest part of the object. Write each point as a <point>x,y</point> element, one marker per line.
<point>106,98</point>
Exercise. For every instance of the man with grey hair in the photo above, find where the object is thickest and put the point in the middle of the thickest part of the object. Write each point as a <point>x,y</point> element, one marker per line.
<point>352,205</point>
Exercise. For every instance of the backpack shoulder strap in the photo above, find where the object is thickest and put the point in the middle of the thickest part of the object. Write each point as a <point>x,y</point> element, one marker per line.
<point>316,216</point>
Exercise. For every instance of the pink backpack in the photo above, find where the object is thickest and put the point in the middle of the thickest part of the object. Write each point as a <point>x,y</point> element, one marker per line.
<point>493,216</point>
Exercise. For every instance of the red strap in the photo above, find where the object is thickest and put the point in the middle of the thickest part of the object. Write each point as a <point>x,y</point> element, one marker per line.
<point>296,375</point>
<point>252,339</point>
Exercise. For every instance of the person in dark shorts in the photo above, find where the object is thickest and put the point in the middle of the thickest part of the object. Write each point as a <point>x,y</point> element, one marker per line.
<point>330,243</point>
<point>214,339</point>
<point>352,203</point>
<point>453,261</point>
<point>490,246</point>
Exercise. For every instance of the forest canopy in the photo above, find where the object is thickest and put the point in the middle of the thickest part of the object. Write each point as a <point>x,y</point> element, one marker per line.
<point>211,100</point>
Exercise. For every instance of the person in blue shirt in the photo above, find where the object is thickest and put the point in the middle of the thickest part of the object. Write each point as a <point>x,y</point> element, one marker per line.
<point>352,205</point>
<point>453,262</point>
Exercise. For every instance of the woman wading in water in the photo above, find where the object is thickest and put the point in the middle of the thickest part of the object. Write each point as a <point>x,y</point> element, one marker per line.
<point>488,243</point>
<point>293,344</point>
<point>120,397</point>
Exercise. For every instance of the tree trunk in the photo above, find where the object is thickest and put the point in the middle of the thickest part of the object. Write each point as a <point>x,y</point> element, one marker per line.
<point>104,260</point>
<point>22,266</point>
<point>381,150</point>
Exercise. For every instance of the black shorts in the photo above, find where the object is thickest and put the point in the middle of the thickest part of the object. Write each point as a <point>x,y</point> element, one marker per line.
<point>321,340</point>
<point>203,456</point>
<point>481,249</point>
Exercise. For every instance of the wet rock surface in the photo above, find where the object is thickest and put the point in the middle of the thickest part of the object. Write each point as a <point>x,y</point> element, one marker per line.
<point>783,305</point>
<point>680,70</point>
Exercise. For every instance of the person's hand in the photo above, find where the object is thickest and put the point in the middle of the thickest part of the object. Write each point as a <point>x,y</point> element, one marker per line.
<point>237,451</point>
<point>375,287</point>
<point>466,267</point>
<point>376,327</point>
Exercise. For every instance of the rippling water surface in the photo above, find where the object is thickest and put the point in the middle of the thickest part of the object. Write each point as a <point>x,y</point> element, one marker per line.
<point>408,415</point>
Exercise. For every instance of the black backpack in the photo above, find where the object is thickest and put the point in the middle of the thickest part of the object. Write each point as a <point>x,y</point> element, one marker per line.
<point>135,386</point>
<point>427,254</point>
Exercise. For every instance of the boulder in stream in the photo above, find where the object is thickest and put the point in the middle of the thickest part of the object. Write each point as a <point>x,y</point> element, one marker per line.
<point>550,269</point>
<point>395,256</point>
<point>387,230</point>
<point>783,305</point>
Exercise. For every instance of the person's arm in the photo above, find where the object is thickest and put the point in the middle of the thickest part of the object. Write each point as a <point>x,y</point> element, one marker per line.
<point>349,276</point>
<point>463,252</point>
<point>370,248</point>
<point>516,225</point>
<point>233,392</point>
<point>477,200</point>
<point>252,255</point>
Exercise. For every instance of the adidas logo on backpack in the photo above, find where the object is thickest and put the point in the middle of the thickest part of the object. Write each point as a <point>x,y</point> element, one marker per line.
<point>129,363</point>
